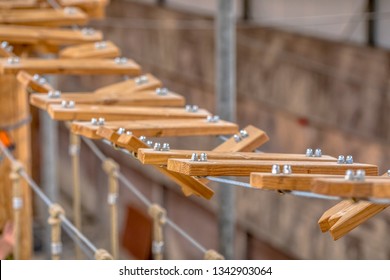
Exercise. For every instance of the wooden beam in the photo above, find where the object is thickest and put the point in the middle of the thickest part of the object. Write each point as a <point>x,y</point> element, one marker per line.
<point>245,167</point>
<point>17,4</point>
<point>103,49</point>
<point>70,66</point>
<point>111,113</point>
<point>150,156</point>
<point>44,17</point>
<point>37,84</point>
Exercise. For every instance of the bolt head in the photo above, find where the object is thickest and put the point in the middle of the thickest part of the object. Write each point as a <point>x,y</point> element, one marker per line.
<point>101,45</point>
<point>13,60</point>
<point>162,91</point>
<point>237,138</point>
<point>360,175</point>
<point>275,169</point>
<point>71,104</point>
<point>287,169</point>
<point>149,143</point>
<point>157,146</point>
<point>309,152</point>
<point>203,157</point>
<point>194,157</point>
<point>120,60</point>
<point>141,80</point>
<point>36,77</point>
<point>64,103</point>
<point>4,44</point>
<point>349,175</point>
<point>341,159</point>
<point>142,138</point>
<point>101,121</point>
<point>129,133</point>
<point>94,121</point>
<point>121,130</point>
<point>88,31</point>
<point>244,133</point>
<point>54,94</point>
<point>165,147</point>
<point>349,160</point>
<point>318,153</point>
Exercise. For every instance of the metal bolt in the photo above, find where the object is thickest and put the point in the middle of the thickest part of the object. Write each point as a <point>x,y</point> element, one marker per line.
<point>101,121</point>
<point>94,121</point>
<point>165,147</point>
<point>360,175</point>
<point>212,119</point>
<point>70,10</point>
<point>36,77</point>
<point>4,44</point>
<point>203,157</point>
<point>71,104</point>
<point>129,133</point>
<point>120,60</point>
<point>54,94</point>
<point>318,153</point>
<point>42,81</point>
<point>309,152</point>
<point>141,80</point>
<point>101,45</point>
<point>244,133</point>
<point>149,143</point>
<point>157,146</point>
<point>349,175</point>
<point>287,169</point>
<point>194,157</point>
<point>192,108</point>
<point>275,169</point>
<point>64,103</point>
<point>142,138</point>
<point>341,159</point>
<point>121,130</point>
<point>13,60</point>
<point>88,31</point>
<point>349,160</point>
<point>237,138</point>
<point>162,91</point>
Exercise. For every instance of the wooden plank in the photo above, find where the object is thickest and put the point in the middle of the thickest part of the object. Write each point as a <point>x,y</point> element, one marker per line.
<point>149,156</point>
<point>256,137</point>
<point>147,98</point>
<point>17,4</point>
<point>111,113</point>
<point>93,8</point>
<point>46,36</point>
<point>44,17</point>
<point>245,167</point>
<point>324,220</point>
<point>374,188</point>
<point>102,49</point>
<point>189,185</point>
<point>70,66</point>
<point>36,84</point>
<point>156,128</point>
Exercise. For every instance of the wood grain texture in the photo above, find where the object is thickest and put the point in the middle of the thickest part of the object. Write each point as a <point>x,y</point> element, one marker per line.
<point>28,81</point>
<point>156,128</point>
<point>18,4</point>
<point>43,17</point>
<point>324,220</point>
<point>91,50</point>
<point>147,98</point>
<point>256,138</point>
<point>373,188</point>
<point>111,113</point>
<point>93,8</point>
<point>46,36</point>
<point>70,66</point>
<point>245,167</point>
<point>149,156</point>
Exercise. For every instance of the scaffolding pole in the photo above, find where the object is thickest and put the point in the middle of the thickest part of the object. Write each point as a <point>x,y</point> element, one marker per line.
<point>225,34</point>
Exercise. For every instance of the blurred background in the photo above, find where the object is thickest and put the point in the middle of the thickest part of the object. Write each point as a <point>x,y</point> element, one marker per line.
<point>312,74</point>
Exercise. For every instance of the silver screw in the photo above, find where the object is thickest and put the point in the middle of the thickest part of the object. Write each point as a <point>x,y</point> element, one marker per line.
<point>237,138</point>
<point>275,169</point>
<point>71,104</point>
<point>64,103</point>
<point>349,175</point>
<point>141,80</point>
<point>165,147</point>
<point>212,119</point>
<point>129,133</point>
<point>162,91</point>
<point>287,169</point>
<point>101,121</point>
<point>13,60</point>
<point>54,94</point>
<point>121,130</point>
<point>142,138</point>
<point>88,31</point>
<point>244,133</point>
<point>309,152</point>
<point>149,143</point>
<point>318,153</point>
<point>101,45</point>
<point>360,175</point>
<point>157,146</point>
<point>94,121</point>
<point>203,157</point>
<point>192,108</point>
<point>341,159</point>
<point>120,60</point>
<point>349,160</point>
<point>194,157</point>
<point>70,10</point>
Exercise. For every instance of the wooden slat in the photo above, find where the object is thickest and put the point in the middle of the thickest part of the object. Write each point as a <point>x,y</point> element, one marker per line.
<point>149,156</point>
<point>103,49</point>
<point>28,81</point>
<point>256,137</point>
<point>70,66</point>
<point>375,188</point>
<point>147,98</point>
<point>245,167</point>
<point>17,4</point>
<point>156,128</point>
<point>112,113</point>
<point>43,17</point>
<point>324,220</point>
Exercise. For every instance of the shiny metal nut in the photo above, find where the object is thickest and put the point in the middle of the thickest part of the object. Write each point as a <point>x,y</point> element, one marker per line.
<point>349,175</point>
<point>349,160</point>
<point>203,157</point>
<point>318,153</point>
<point>88,31</point>
<point>341,159</point>
<point>54,94</point>
<point>360,175</point>
<point>165,147</point>
<point>141,80</point>
<point>101,121</point>
<point>237,138</point>
<point>94,121</point>
<point>162,91</point>
<point>194,157</point>
<point>149,143</point>
<point>244,133</point>
<point>142,138</point>
<point>309,152</point>
<point>275,169</point>
<point>287,169</point>
<point>121,130</point>
<point>13,60</point>
<point>120,60</point>
<point>101,45</point>
<point>157,146</point>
